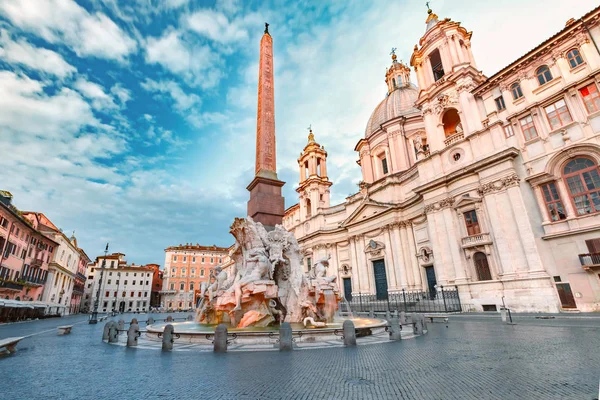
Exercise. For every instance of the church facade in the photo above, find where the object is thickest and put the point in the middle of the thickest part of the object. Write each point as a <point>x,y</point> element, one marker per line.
<point>487,184</point>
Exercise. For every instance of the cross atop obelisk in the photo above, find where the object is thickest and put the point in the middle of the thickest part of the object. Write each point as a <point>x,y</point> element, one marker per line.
<point>266,205</point>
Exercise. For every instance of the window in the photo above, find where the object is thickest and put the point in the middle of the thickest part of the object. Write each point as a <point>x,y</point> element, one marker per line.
<point>126,282</point>
<point>108,282</point>
<point>132,294</point>
<point>451,122</point>
<point>500,103</point>
<point>308,264</point>
<point>220,260</point>
<point>558,114</point>
<point>3,222</point>
<point>173,271</point>
<point>182,271</point>
<point>543,75</point>
<point>133,283</point>
<point>139,294</point>
<point>172,286</point>
<point>508,131</point>
<point>212,260</point>
<point>528,128</point>
<point>194,260</point>
<point>436,65</point>
<point>472,223</point>
<point>593,245</point>
<point>174,258</point>
<point>202,272</point>
<point>384,166</point>
<point>181,286</point>
<point>107,294</point>
<point>482,267</point>
<point>554,206</point>
<point>574,58</point>
<point>112,264</point>
<point>202,260</point>
<point>591,98</point>
<point>583,182</point>
<point>184,259</point>
<point>191,286</point>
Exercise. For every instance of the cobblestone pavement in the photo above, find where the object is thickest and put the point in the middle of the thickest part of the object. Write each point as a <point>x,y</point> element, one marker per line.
<point>471,358</point>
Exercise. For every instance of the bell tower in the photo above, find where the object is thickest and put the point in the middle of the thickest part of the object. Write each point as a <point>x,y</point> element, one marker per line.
<point>446,72</point>
<point>314,183</point>
<point>398,75</point>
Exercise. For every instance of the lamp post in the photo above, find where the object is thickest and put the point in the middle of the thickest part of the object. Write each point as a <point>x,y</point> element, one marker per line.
<point>94,316</point>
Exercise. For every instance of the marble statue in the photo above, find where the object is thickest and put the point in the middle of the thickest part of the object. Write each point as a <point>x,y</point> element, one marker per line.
<point>266,284</point>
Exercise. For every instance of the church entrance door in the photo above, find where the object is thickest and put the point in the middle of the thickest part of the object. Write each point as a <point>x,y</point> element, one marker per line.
<point>431,281</point>
<point>381,286</point>
<point>348,289</point>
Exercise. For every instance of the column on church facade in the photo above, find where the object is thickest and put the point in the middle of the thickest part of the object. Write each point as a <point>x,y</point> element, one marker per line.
<point>500,236</point>
<point>414,262</point>
<point>390,258</point>
<point>539,197</point>
<point>454,237</point>
<point>451,43</point>
<point>399,257</point>
<point>356,285</point>
<point>526,236</point>
<point>409,276</point>
<point>565,198</point>
<point>467,113</point>
<point>510,222</point>
<point>364,265</point>
<point>446,59</point>
<point>333,263</point>
<point>394,165</point>
<point>441,251</point>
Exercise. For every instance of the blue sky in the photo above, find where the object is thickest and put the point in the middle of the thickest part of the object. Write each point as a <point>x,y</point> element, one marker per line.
<point>133,121</point>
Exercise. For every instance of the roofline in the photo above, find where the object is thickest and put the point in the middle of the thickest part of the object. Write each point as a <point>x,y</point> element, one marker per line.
<point>198,247</point>
<point>26,223</point>
<point>575,24</point>
<point>290,207</point>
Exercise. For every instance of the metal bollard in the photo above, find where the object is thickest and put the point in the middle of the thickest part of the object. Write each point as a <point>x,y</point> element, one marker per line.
<point>167,338</point>
<point>285,337</point>
<point>220,340</point>
<point>349,333</point>
<point>395,332</point>
<point>113,333</point>
<point>132,335</point>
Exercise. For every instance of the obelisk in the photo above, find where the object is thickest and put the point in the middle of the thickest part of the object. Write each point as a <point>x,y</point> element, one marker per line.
<point>266,205</point>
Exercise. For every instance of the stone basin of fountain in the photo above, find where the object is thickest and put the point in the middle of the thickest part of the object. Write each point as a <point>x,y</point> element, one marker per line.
<point>194,332</point>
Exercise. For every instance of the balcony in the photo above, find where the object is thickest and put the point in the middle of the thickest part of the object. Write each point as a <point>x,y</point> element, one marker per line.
<point>589,260</point>
<point>31,282</point>
<point>10,285</point>
<point>167,291</point>
<point>450,140</point>
<point>479,239</point>
<point>36,263</point>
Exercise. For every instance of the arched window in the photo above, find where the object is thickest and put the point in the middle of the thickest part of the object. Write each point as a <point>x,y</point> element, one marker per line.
<point>318,167</point>
<point>306,172</point>
<point>543,74</point>
<point>308,208</point>
<point>482,268</point>
<point>436,65</point>
<point>182,286</point>
<point>574,58</point>
<point>191,286</point>
<point>451,122</point>
<point>516,91</point>
<point>394,83</point>
<point>583,181</point>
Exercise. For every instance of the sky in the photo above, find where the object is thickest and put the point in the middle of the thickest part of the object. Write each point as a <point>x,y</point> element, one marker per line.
<point>133,122</point>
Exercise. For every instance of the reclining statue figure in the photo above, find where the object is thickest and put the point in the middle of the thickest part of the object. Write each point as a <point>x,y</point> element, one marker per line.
<point>258,268</point>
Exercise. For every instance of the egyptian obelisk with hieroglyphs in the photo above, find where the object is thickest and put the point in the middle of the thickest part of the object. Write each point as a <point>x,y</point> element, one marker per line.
<point>266,205</point>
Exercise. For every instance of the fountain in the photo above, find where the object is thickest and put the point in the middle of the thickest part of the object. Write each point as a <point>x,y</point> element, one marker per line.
<point>264,287</point>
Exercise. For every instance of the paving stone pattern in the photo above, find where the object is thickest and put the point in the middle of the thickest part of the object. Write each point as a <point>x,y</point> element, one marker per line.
<point>472,358</point>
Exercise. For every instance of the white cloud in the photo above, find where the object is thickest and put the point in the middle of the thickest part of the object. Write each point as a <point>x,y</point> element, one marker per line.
<point>183,101</point>
<point>124,95</point>
<point>216,26</point>
<point>64,21</point>
<point>196,63</point>
<point>43,60</point>
<point>95,93</point>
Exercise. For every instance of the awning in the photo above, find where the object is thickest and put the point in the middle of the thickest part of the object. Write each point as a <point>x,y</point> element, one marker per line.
<point>15,304</point>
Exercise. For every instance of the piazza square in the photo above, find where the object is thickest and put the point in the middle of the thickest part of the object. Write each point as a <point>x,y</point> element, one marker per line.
<point>445,245</point>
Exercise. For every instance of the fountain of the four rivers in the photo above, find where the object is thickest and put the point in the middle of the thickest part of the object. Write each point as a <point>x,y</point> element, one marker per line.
<point>266,286</point>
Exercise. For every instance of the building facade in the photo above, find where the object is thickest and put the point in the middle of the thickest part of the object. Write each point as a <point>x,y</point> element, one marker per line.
<point>157,284</point>
<point>80,278</point>
<point>487,184</point>
<point>186,268</point>
<point>25,254</point>
<point>117,286</point>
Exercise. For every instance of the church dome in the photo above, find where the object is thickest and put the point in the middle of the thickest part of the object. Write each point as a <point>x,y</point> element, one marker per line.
<point>400,102</point>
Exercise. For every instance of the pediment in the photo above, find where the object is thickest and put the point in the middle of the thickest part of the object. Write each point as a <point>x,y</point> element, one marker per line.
<point>365,211</point>
<point>465,200</point>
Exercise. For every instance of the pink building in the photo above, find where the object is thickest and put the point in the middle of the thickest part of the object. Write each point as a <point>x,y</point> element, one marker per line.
<point>25,255</point>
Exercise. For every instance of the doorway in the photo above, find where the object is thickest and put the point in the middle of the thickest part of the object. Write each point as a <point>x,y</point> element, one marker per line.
<point>348,289</point>
<point>381,286</point>
<point>566,295</point>
<point>431,281</point>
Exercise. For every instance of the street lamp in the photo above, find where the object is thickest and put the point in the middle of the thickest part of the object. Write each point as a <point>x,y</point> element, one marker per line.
<point>94,316</point>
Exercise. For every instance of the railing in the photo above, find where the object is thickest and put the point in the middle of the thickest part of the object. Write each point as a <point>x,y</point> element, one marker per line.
<point>10,285</point>
<point>35,263</point>
<point>476,240</point>
<point>167,291</point>
<point>441,300</point>
<point>589,260</point>
<point>454,138</point>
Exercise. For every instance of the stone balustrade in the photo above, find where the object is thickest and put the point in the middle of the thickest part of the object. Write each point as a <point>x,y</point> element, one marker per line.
<point>476,240</point>
<point>450,140</point>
